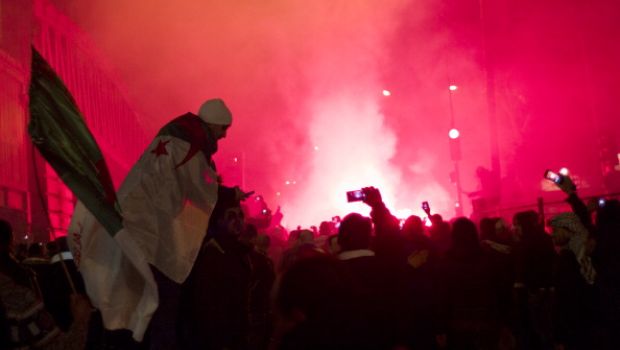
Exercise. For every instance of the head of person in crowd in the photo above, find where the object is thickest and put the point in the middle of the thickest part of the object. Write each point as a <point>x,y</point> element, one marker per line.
<point>306,237</point>
<point>495,229</point>
<point>464,236</point>
<point>227,218</point>
<point>413,227</point>
<point>502,231</point>
<point>217,118</point>
<point>439,227</point>
<point>566,227</point>
<point>293,237</point>
<point>300,237</point>
<point>436,219</point>
<point>527,225</point>
<point>327,228</point>
<point>487,229</point>
<point>6,237</point>
<point>355,232</point>
<point>570,234</point>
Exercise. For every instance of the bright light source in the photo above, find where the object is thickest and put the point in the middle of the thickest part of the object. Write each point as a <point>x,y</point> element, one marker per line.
<point>403,214</point>
<point>457,204</point>
<point>386,93</point>
<point>294,182</point>
<point>287,182</point>
<point>235,159</point>
<point>278,194</point>
<point>564,171</point>
<point>428,222</point>
<point>454,133</point>
<point>316,148</point>
<point>453,87</point>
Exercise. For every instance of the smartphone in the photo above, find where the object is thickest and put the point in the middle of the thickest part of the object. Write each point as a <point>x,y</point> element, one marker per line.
<point>355,196</point>
<point>555,177</point>
<point>426,207</point>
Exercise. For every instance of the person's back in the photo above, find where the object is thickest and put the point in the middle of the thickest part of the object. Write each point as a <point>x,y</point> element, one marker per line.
<point>440,234</point>
<point>374,294</point>
<point>497,244</point>
<point>469,299</point>
<point>302,247</point>
<point>534,252</point>
<point>315,308</point>
<point>574,284</point>
<point>355,254</point>
<point>534,258</point>
<point>215,310</point>
<point>262,280</point>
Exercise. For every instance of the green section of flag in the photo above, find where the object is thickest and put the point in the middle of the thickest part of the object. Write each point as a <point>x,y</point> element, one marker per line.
<point>58,131</point>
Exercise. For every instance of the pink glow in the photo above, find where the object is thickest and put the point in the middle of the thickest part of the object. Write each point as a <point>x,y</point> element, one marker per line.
<point>305,82</point>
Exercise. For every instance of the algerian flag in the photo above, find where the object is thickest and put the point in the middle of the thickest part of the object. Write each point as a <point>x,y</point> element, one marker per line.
<point>58,131</point>
<point>166,202</point>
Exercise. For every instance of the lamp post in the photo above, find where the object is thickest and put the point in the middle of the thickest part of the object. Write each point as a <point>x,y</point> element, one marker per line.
<point>455,153</point>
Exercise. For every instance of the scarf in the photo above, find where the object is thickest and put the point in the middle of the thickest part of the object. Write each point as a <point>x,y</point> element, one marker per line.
<point>577,242</point>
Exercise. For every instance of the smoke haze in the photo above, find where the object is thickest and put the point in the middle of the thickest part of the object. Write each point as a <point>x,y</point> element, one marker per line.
<point>304,80</point>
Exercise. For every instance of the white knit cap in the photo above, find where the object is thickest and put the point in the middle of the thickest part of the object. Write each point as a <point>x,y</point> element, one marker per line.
<point>214,111</point>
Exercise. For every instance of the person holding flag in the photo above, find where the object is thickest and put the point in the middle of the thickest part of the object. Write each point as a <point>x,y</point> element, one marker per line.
<point>166,202</point>
<point>149,234</point>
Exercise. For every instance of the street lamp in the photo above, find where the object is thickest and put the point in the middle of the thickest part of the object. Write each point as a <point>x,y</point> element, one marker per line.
<point>455,152</point>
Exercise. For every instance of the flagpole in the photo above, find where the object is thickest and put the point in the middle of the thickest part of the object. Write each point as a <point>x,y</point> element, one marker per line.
<point>49,222</point>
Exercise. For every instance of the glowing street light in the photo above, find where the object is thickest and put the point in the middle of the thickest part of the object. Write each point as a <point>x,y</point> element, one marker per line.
<point>454,133</point>
<point>386,93</point>
<point>453,87</point>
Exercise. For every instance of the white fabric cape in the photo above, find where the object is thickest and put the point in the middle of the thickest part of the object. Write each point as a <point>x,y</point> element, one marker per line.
<point>165,212</point>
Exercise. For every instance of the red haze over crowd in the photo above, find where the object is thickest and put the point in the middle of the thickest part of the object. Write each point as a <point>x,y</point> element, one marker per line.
<point>537,88</point>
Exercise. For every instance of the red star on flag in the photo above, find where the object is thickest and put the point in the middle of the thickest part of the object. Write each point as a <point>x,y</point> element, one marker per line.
<point>160,149</point>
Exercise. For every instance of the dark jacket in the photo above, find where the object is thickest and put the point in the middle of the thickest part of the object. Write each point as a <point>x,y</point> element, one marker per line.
<point>214,306</point>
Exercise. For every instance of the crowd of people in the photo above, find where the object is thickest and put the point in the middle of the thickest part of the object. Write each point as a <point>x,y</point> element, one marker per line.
<point>363,283</point>
<point>186,268</point>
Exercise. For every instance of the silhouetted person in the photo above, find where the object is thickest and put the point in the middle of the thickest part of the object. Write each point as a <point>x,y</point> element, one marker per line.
<point>301,246</point>
<point>469,293</point>
<point>8,265</point>
<point>215,302</point>
<point>497,243</point>
<point>262,280</point>
<point>534,257</point>
<point>375,296</point>
<point>574,277</point>
<point>440,234</point>
<point>314,307</point>
<point>420,277</point>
